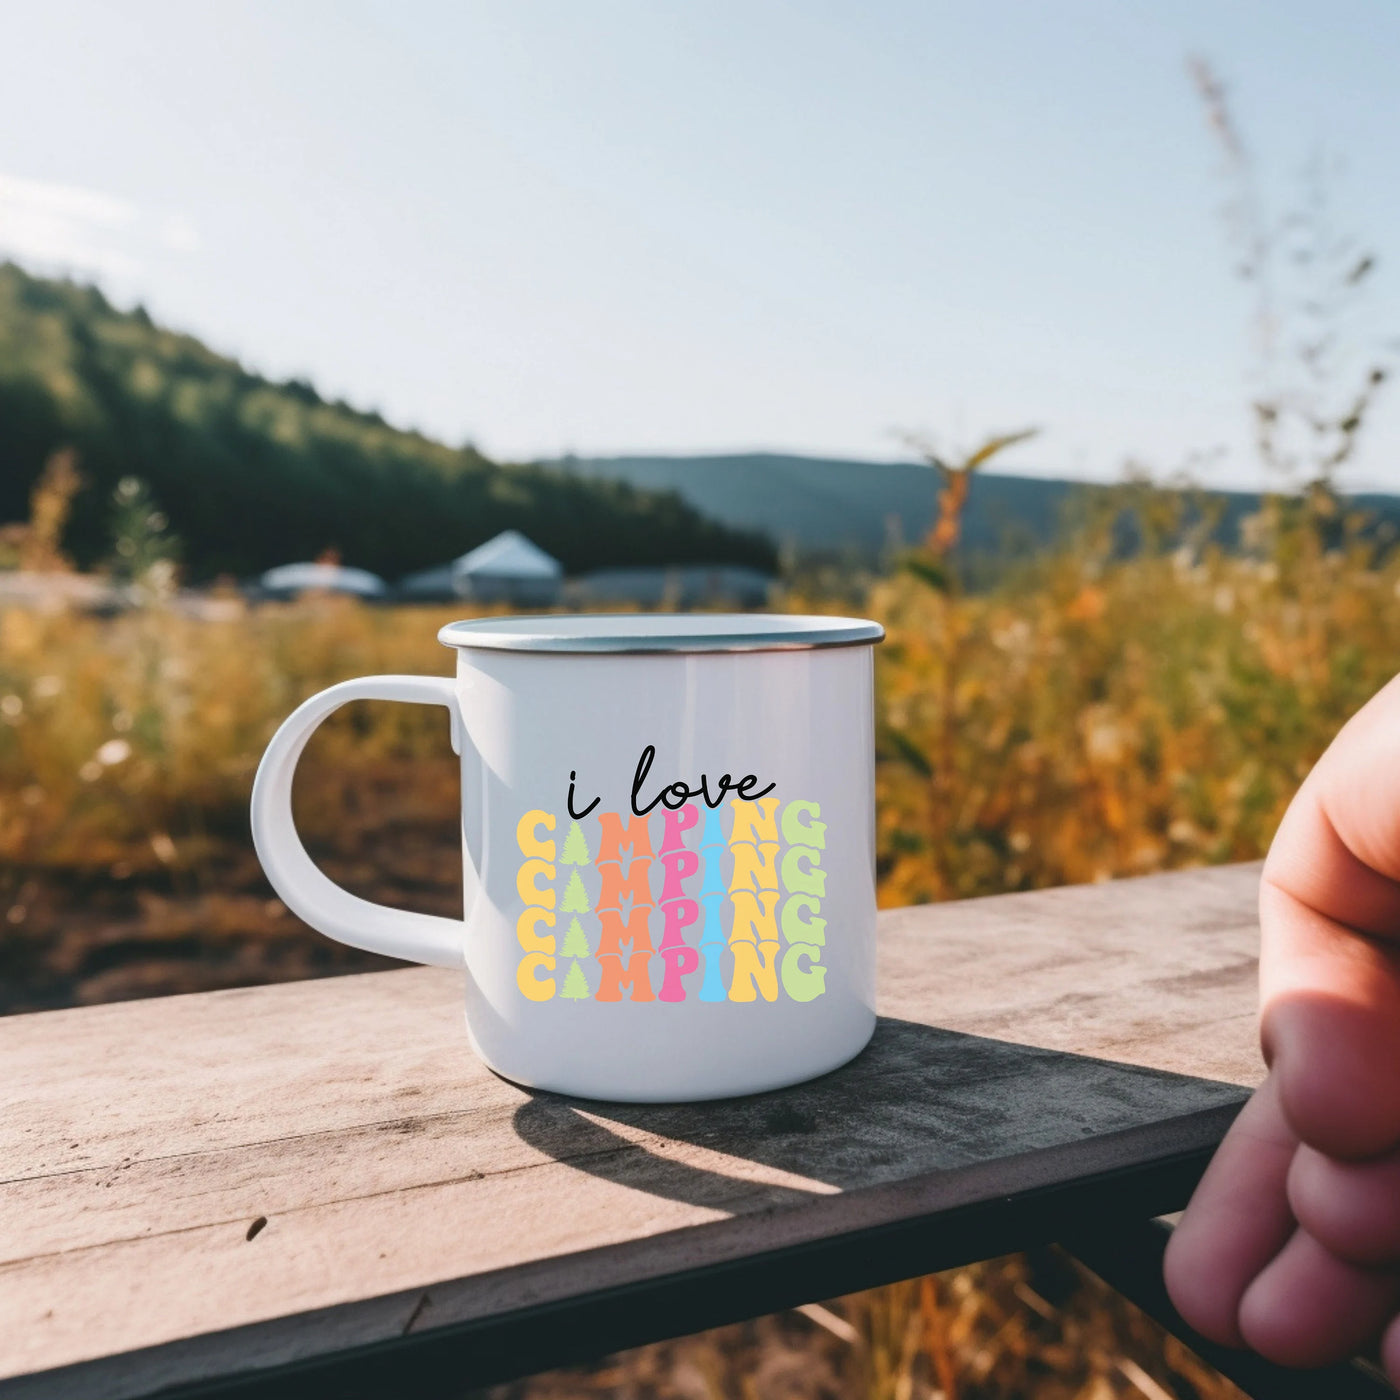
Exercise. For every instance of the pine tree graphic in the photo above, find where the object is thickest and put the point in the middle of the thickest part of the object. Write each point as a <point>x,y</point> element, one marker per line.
<point>575,897</point>
<point>575,984</point>
<point>575,847</point>
<point>575,942</point>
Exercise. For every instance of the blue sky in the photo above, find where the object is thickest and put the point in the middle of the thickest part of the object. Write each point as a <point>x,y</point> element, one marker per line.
<point>634,225</point>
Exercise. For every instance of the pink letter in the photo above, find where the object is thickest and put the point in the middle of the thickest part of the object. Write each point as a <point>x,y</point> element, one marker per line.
<point>679,915</point>
<point>677,822</point>
<point>680,865</point>
<point>680,962</point>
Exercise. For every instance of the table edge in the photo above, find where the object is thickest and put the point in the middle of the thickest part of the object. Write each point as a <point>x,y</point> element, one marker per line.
<point>902,1229</point>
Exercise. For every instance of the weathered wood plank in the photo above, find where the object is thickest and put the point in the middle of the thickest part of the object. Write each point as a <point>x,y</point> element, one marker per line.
<point>139,1141</point>
<point>1160,972</point>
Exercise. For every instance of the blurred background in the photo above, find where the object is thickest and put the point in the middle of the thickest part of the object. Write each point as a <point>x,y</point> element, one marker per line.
<point>1057,339</point>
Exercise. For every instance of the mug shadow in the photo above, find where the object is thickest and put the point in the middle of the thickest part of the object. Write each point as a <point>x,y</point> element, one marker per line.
<point>916,1100</point>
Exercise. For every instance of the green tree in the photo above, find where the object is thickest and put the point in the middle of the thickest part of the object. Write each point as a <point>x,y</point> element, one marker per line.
<point>576,942</point>
<point>575,847</point>
<point>144,552</point>
<point>575,896</point>
<point>575,984</point>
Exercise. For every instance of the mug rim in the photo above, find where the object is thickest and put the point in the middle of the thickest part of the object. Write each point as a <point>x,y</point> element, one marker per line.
<point>631,633</point>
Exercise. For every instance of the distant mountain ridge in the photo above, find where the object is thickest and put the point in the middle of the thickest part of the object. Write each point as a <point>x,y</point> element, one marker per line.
<point>253,473</point>
<point>832,505</point>
<point>807,502</point>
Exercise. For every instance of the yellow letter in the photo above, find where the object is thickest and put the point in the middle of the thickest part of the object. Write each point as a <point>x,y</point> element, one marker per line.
<point>530,844</point>
<point>749,825</point>
<point>536,988</point>
<point>526,877</point>
<point>526,927</point>
<point>755,964</point>
<point>750,924</point>
<point>749,872</point>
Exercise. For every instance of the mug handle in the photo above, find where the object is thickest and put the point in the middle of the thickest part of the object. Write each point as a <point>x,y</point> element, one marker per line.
<point>397,933</point>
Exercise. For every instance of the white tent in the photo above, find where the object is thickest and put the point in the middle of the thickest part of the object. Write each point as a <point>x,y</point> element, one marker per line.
<point>292,580</point>
<point>506,569</point>
<point>509,555</point>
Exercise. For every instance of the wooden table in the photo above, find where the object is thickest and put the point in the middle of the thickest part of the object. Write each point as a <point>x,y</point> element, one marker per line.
<point>314,1189</point>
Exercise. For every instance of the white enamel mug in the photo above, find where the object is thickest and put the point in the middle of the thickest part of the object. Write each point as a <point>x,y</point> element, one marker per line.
<point>668,837</point>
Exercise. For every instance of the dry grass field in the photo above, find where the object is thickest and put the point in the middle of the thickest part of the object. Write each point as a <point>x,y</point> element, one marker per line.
<point>1032,1327</point>
<point>1091,717</point>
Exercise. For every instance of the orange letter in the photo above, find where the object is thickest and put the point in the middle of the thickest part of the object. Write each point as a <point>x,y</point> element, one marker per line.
<point>613,838</point>
<point>614,886</point>
<point>615,932</point>
<point>615,979</point>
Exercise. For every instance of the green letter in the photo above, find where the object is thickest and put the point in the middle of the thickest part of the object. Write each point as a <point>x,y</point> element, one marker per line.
<point>795,928</point>
<point>795,833</point>
<point>809,881</point>
<point>802,984</point>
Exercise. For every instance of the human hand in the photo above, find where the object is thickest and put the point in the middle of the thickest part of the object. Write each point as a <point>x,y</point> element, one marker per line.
<point>1291,1243</point>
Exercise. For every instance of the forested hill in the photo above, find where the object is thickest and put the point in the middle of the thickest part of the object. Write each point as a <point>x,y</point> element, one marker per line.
<point>253,473</point>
